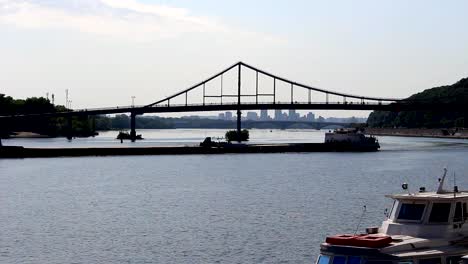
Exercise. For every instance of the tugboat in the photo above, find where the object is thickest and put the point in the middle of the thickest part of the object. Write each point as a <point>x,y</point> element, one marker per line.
<point>353,139</point>
<point>421,228</point>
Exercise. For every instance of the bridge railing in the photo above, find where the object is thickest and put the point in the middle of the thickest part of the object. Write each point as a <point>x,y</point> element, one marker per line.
<point>139,107</point>
<point>272,103</point>
<point>130,107</point>
<point>106,108</point>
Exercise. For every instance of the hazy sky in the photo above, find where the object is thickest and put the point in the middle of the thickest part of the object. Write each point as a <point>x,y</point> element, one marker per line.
<point>105,51</point>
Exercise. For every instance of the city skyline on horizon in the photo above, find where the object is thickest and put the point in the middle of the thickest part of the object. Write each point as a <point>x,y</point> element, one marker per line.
<point>278,115</point>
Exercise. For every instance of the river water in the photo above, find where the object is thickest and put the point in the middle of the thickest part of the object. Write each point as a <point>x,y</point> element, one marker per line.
<point>240,208</point>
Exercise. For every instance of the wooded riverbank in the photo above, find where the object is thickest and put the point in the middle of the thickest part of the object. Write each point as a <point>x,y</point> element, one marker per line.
<point>419,132</point>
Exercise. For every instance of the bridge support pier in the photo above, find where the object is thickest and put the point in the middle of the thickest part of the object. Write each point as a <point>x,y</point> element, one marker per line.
<point>69,132</point>
<point>133,127</point>
<point>3,131</point>
<point>239,117</point>
<point>93,125</point>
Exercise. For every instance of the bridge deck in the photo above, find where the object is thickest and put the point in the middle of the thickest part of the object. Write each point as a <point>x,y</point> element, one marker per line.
<point>212,107</point>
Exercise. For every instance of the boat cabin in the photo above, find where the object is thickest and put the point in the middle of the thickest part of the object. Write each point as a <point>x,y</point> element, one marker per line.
<point>345,135</point>
<point>356,259</point>
<point>352,137</point>
<point>429,215</point>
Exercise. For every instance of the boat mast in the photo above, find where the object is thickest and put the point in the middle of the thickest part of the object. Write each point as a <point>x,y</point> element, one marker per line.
<point>441,190</point>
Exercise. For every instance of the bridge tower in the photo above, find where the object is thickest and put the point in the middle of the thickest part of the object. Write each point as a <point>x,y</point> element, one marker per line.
<point>239,114</point>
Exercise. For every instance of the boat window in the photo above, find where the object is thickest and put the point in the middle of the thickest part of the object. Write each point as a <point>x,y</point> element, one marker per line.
<point>379,262</point>
<point>405,262</point>
<point>431,261</point>
<point>354,260</point>
<point>453,260</point>
<point>411,211</point>
<point>391,215</point>
<point>323,259</point>
<point>440,213</point>
<point>458,217</point>
<point>339,260</point>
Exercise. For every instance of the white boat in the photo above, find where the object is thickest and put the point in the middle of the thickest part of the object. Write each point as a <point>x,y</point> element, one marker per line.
<point>421,228</point>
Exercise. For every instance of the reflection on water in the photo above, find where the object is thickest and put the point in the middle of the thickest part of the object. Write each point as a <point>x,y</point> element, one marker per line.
<point>190,137</point>
<point>172,137</point>
<point>260,208</point>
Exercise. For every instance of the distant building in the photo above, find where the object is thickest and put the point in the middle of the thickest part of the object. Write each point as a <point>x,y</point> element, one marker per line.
<point>278,115</point>
<point>310,117</point>
<point>252,116</point>
<point>264,115</point>
<point>228,115</point>
<point>221,116</point>
<point>293,116</point>
<point>353,120</point>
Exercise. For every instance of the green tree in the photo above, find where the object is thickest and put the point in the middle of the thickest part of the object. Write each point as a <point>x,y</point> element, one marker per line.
<point>232,135</point>
<point>456,93</point>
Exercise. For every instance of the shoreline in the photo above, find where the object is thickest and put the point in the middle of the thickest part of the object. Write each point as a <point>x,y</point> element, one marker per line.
<point>32,135</point>
<point>22,134</point>
<point>418,132</point>
<point>396,132</point>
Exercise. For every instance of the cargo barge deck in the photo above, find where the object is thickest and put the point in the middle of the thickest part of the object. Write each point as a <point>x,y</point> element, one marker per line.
<point>22,152</point>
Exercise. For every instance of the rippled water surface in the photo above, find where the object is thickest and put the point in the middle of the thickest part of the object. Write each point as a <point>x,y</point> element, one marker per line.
<point>255,208</point>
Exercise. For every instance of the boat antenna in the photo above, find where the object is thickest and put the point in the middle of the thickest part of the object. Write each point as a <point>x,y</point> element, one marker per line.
<point>441,183</point>
<point>360,219</point>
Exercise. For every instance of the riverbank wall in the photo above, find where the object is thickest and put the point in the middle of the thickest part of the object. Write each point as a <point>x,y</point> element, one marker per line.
<point>419,132</point>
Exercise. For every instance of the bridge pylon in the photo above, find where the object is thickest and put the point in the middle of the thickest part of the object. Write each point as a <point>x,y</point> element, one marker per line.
<point>239,114</point>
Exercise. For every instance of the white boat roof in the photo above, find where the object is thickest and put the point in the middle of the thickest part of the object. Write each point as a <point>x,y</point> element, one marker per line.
<point>407,246</point>
<point>463,195</point>
<point>428,252</point>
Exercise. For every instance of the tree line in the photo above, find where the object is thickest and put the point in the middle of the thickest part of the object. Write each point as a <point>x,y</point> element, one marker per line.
<point>456,93</point>
<point>53,127</point>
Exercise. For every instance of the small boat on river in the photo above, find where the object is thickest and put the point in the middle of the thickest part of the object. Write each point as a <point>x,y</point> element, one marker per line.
<point>125,135</point>
<point>421,228</point>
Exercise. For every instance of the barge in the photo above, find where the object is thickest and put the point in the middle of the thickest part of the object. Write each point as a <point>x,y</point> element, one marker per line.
<point>345,142</point>
<point>21,152</point>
